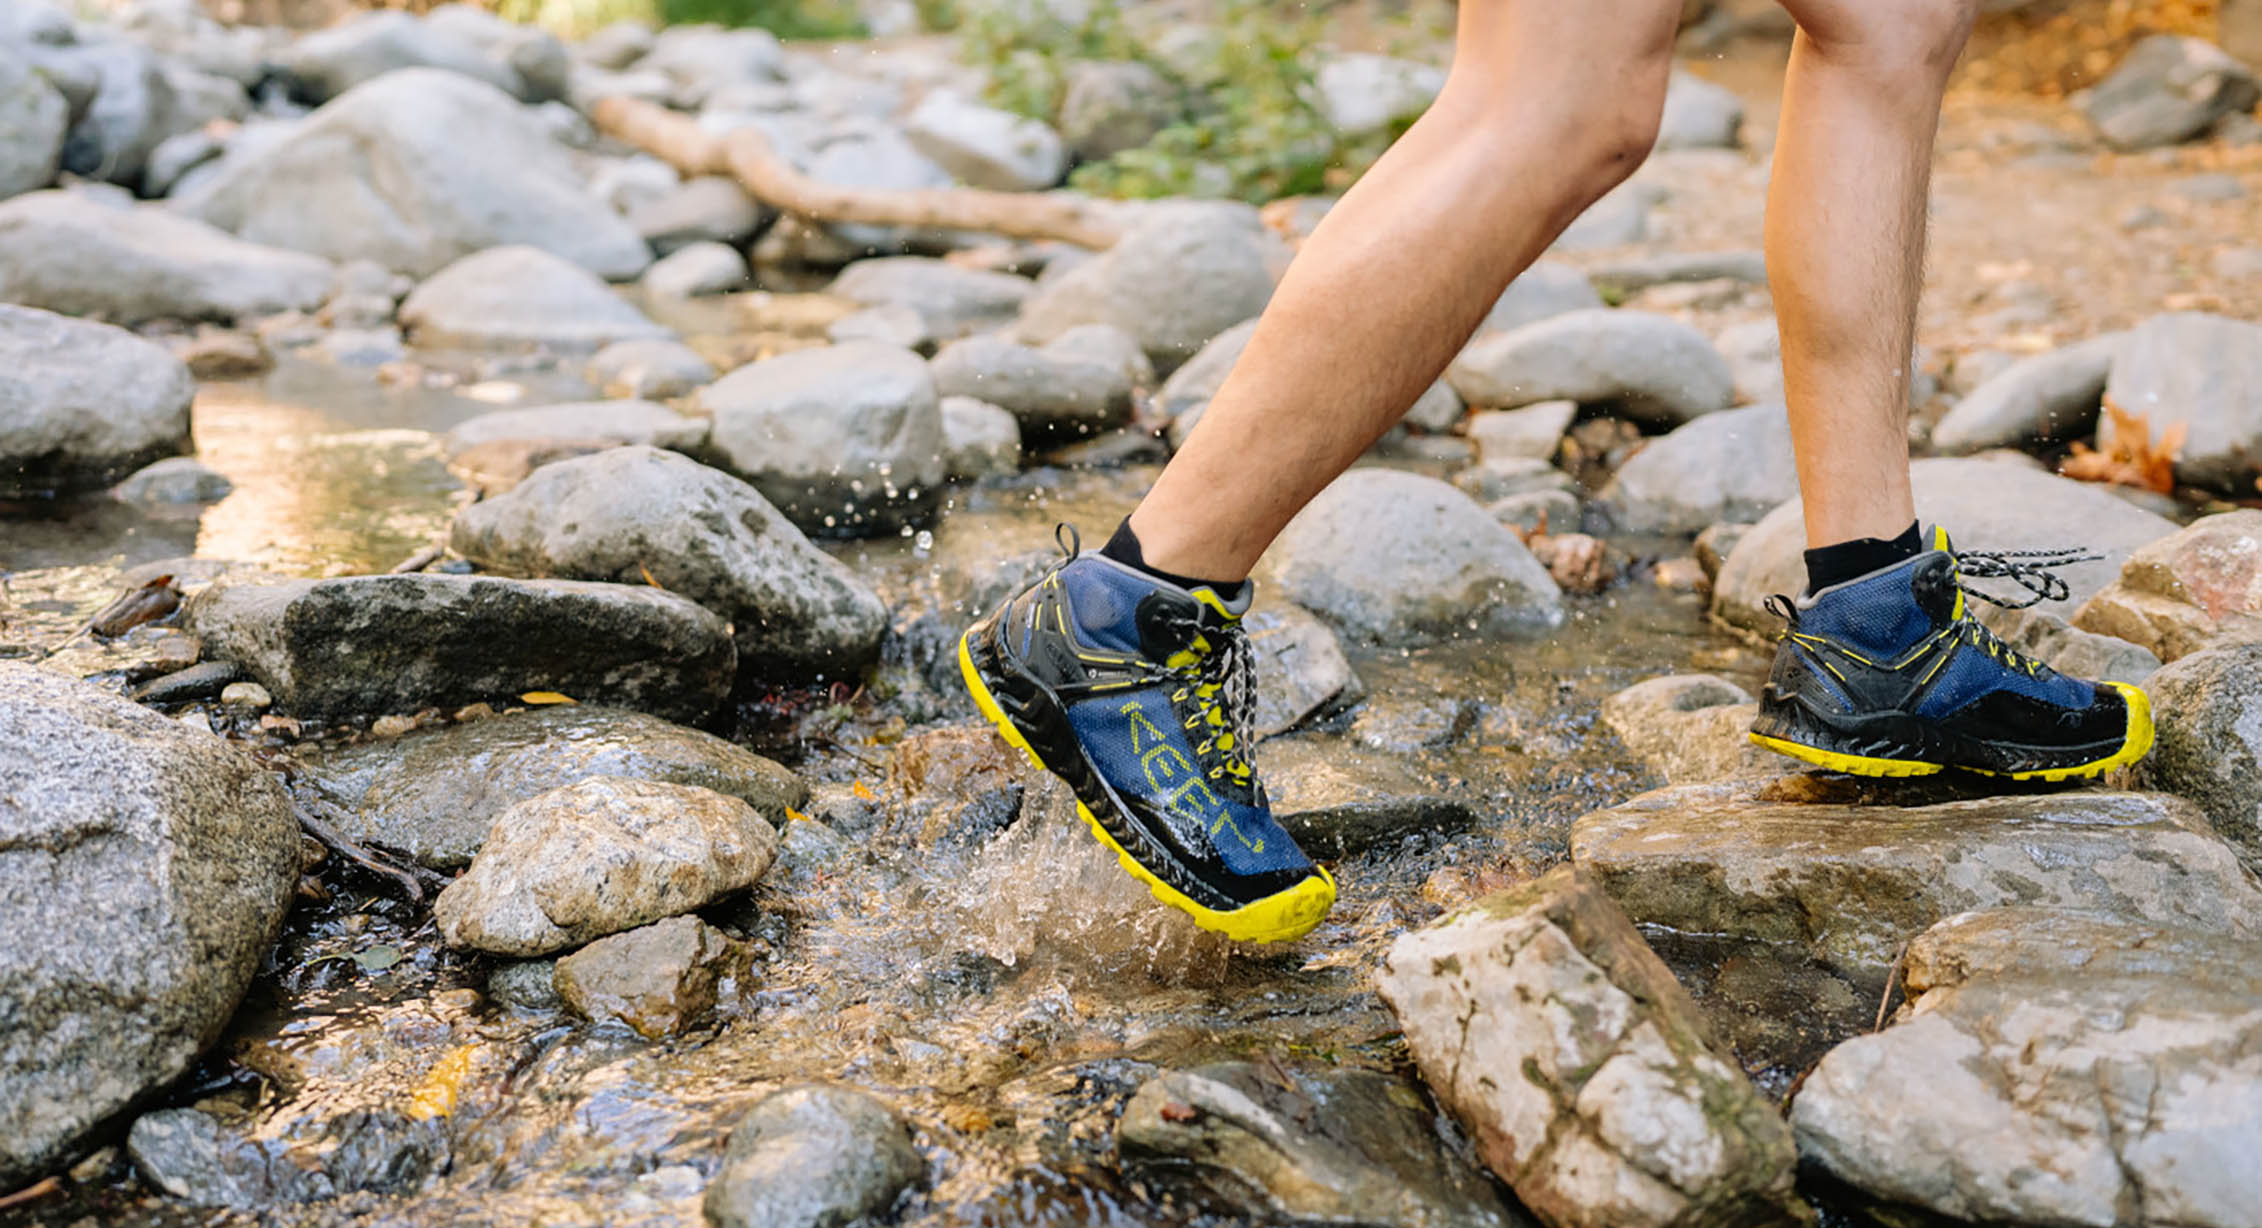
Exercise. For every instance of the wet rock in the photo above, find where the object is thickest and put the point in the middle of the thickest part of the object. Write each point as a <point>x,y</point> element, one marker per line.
<point>357,645</point>
<point>33,119</point>
<point>2188,590</point>
<point>2168,90</point>
<point>2204,371</point>
<point>951,302</point>
<point>979,439</point>
<point>142,263</point>
<point>1361,94</point>
<point>329,62</point>
<point>983,146</point>
<point>82,404</point>
<point>660,980</point>
<point>1054,392</point>
<point>812,1156</point>
<point>1806,863</point>
<point>200,681</point>
<point>650,368</point>
<point>636,513</point>
<point>574,864</point>
<point>434,794</point>
<point>595,423</point>
<point>1338,800</point>
<point>1690,729</point>
<point>2044,399</point>
<point>386,159</point>
<point>158,863</point>
<point>1499,478</point>
<point>1547,289</point>
<point>893,324</point>
<point>1651,368</point>
<point>1638,273</point>
<point>1535,511</point>
<point>703,209</point>
<point>1174,282</point>
<point>698,268</point>
<point>2210,740</point>
<point>2053,641</point>
<point>1699,115</point>
<point>218,354</point>
<point>520,296</point>
<point>846,440</point>
<point>188,1154</point>
<point>1734,465</point>
<point>2079,1070</point>
<point>526,985</point>
<point>179,479</point>
<point>1347,1146</point>
<point>1533,432</point>
<point>1543,1022</point>
<point>617,45</point>
<point>1400,558</point>
<point>1108,106</point>
<point>1985,505</point>
<point>960,784</point>
<point>1300,666</point>
<point>133,103</point>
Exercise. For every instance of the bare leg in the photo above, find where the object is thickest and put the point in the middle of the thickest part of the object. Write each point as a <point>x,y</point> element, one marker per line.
<point>1845,245</point>
<point>1548,106</point>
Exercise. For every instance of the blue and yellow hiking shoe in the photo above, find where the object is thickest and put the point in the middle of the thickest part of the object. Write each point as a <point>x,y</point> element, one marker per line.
<point>1137,693</point>
<point>1890,675</point>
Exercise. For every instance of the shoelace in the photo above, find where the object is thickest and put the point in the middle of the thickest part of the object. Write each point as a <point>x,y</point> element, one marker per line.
<point>2030,569</point>
<point>1221,684</point>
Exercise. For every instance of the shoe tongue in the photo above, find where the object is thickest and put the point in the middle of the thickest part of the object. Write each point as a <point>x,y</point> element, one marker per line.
<point>1936,586</point>
<point>1174,620</point>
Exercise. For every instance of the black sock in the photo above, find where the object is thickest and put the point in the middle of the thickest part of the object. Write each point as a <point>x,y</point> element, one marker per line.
<point>1845,561</point>
<point>1124,549</point>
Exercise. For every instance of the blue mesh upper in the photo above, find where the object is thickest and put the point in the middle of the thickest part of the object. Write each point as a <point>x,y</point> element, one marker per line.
<point>1973,675</point>
<point>1135,741</point>
<point>1104,601</point>
<point>1877,616</point>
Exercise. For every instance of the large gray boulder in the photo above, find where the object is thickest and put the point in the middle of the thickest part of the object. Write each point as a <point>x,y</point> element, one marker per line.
<point>983,146</point>
<point>2210,740</point>
<point>1546,1025</point>
<point>2204,371</point>
<point>951,301</point>
<point>365,645</point>
<point>1548,288</point>
<point>1055,391</point>
<point>33,119</point>
<point>386,162</point>
<point>82,404</point>
<point>1732,466</point>
<point>2075,1069</point>
<point>593,424</point>
<point>1699,115</point>
<point>1108,106</point>
<point>1652,368</point>
<point>329,62</point>
<point>633,513</point>
<point>1848,878</point>
<point>434,793</point>
<point>812,1156</point>
<point>518,297</point>
<point>598,857</point>
<point>2167,90</point>
<point>2044,399</point>
<point>703,59</point>
<point>846,440</point>
<point>128,265</point>
<point>2193,590</point>
<point>1190,387</point>
<point>1985,505</point>
<point>1360,93</point>
<point>131,106</point>
<point>1174,282</point>
<point>1400,558</point>
<point>145,868</point>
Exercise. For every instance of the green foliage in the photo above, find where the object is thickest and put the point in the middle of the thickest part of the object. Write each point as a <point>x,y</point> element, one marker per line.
<point>784,18</point>
<point>577,18</point>
<point>1250,129</point>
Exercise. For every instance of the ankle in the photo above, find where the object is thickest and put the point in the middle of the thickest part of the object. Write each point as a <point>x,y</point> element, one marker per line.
<point>1124,548</point>
<point>1850,560</point>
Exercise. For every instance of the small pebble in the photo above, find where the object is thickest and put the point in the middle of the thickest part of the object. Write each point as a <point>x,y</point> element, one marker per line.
<point>391,726</point>
<point>2143,217</point>
<point>246,695</point>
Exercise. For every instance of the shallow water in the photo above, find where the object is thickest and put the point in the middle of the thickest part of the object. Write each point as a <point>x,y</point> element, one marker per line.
<point>995,977</point>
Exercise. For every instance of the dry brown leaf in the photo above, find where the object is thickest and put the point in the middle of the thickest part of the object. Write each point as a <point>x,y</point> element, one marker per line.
<point>2131,459</point>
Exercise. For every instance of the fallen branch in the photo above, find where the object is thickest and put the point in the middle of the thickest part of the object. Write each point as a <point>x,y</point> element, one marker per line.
<point>747,156</point>
<point>411,879</point>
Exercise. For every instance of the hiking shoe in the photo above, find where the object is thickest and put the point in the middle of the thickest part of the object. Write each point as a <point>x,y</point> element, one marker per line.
<point>1890,675</point>
<point>1137,693</point>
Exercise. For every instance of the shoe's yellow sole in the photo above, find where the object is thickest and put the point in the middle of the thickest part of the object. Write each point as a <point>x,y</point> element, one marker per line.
<point>2134,746</point>
<point>1279,917</point>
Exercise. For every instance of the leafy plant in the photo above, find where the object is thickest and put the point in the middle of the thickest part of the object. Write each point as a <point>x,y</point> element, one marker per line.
<point>784,18</point>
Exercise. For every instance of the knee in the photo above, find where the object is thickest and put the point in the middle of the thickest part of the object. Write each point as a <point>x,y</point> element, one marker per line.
<point>1914,41</point>
<point>1596,120</point>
